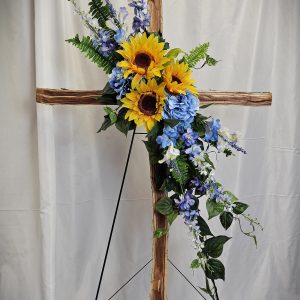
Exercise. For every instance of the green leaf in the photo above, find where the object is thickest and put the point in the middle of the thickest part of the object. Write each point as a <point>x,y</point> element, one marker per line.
<point>196,54</point>
<point>214,246</point>
<point>215,269</point>
<point>206,105</point>
<point>199,124</point>
<point>226,219</point>
<point>195,264</point>
<point>164,206</point>
<point>180,170</point>
<point>207,159</point>
<point>153,151</point>
<point>233,197</point>
<point>213,208</point>
<point>173,53</point>
<point>159,232</point>
<point>172,217</point>
<point>204,228</point>
<point>122,124</point>
<point>106,123</point>
<point>240,207</point>
<point>86,46</point>
<point>112,114</point>
<point>210,61</point>
<point>171,122</point>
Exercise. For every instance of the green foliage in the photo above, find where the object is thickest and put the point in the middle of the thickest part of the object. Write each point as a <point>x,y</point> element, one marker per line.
<point>123,124</point>
<point>226,219</point>
<point>102,13</point>
<point>214,246</point>
<point>240,207</point>
<point>106,123</point>
<point>199,124</point>
<point>159,232</point>
<point>172,217</point>
<point>195,264</point>
<point>180,169</point>
<point>204,228</point>
<point>153,151</point>
<point>214,208</point>
<point>196,54</point>
<point>112,114</point>
<point>86,46</point>
<point>171,122</point>
<point>164,206</point>
<point>215,269</point>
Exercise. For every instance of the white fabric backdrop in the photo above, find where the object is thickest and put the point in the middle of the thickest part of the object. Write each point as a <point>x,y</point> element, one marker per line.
<point>59,179</point>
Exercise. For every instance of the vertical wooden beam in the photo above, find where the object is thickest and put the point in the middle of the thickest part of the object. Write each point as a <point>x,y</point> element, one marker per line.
<point>159,245</point>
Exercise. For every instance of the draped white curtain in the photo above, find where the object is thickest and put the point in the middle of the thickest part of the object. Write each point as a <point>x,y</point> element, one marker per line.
<point>60,180</point>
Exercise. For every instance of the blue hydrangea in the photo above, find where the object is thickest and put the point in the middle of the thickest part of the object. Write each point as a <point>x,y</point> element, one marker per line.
<point>170,135</point>
<point>193,150</point>
<point>120,35</point>
<point>181,107</point>
<point>211,132</point>
<point>141,18</point>
<point>118,83</point>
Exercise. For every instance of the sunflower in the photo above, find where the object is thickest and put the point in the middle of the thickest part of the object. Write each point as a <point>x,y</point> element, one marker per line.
<point>145,103</point>
<point>144,56</point>
<point>177,77</point>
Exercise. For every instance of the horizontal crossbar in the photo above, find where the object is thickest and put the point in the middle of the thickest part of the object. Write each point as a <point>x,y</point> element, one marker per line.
<point>93,97</point>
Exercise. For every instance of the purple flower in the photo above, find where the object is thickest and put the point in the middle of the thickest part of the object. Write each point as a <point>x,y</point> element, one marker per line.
<point>141,18</point>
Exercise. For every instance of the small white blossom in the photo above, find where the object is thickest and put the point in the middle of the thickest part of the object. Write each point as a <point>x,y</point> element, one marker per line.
<point>171,154</point>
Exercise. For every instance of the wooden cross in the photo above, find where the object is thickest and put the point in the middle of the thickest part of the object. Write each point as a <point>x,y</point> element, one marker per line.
<point>77,97</point>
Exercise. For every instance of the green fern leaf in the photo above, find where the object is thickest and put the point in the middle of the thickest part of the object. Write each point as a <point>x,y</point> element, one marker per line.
<point>180,170</point>
<point>86,46</point>
<point>196,54</point>
<point>102,13</point>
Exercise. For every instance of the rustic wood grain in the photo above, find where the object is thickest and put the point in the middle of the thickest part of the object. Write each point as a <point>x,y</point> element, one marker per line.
<point>159,245</point>
<point>93,97</point>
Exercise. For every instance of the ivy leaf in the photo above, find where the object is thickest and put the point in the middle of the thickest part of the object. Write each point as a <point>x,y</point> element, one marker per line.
<point>122,124</point>
<point>204,228</point>
<point>172,217</point>
<point>171,122</point>
<point>226,219</point>
<point>214,246</point>
<point>112,114</point>
<point>164,206</point>
<point>214,208</point>
<point>159,232</point>
<point>240,207</point>
<point>233,197</point>
<point>215,269</point>
<point>195,264</point>
<point>106,123</point>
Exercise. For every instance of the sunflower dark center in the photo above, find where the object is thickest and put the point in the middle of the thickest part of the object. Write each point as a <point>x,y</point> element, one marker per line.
<point>147,104</point>
<point>142,60</point>
<point>174,78</point>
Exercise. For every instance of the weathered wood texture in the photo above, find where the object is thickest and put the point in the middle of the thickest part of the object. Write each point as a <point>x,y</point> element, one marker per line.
<point>77,97</point>
<point>159,245</point>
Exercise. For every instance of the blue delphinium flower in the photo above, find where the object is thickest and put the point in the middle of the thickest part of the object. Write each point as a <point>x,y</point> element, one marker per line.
<point>141,18</point>
<point>211,133</point>
<point>198,185</point>
<point>186,207</point>
<point>111,9</point>
<point>118,83</point>
<point>190,137</point>
<point>181,107</point>
<point>170,135</point>
<point>103,43</point>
